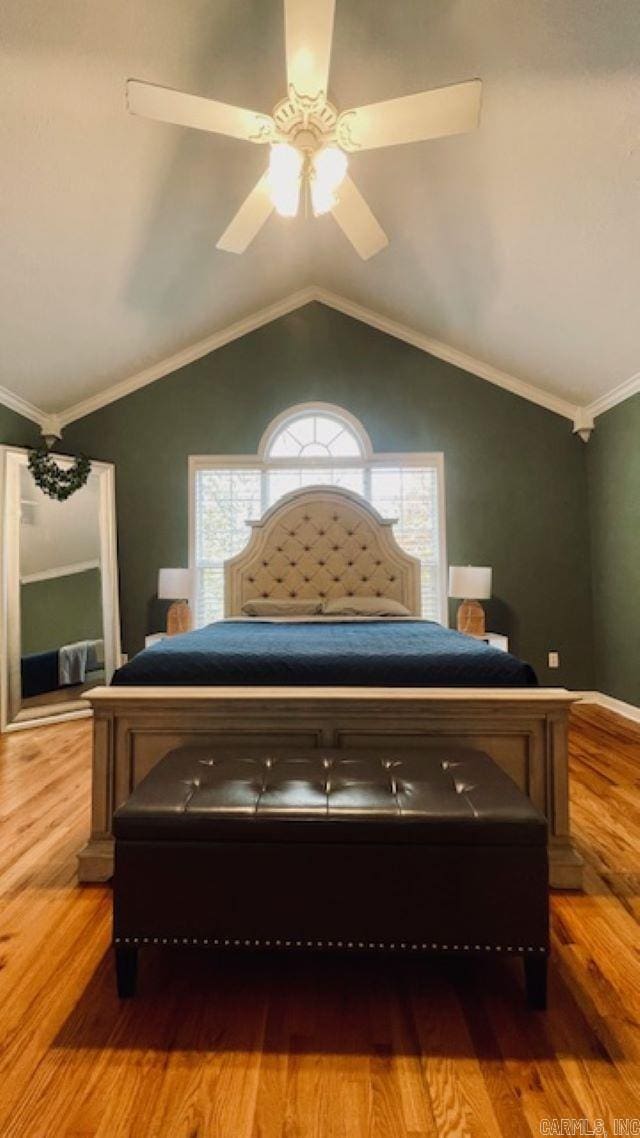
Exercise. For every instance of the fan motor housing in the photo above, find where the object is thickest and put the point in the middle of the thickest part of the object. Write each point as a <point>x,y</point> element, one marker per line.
<point>305,123</point>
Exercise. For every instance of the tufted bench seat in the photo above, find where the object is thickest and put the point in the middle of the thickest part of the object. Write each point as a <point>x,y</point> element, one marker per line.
<point>432,851</point>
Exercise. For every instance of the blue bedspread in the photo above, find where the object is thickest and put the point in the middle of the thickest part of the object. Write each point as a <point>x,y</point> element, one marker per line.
<point>402,653</point>
<point>39,673</point>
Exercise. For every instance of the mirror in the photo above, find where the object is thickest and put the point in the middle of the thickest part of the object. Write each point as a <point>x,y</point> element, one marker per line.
<point>60,620</point>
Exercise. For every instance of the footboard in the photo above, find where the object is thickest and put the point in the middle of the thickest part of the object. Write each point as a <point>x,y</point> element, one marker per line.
<point>524,730</point>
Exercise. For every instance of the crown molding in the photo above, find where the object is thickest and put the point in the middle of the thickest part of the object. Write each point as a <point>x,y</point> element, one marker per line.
<point>450,355</point>
<point>582,418</point>
<point>583,424</point>
<point>188,355</point>
<point>21,406</point>
<point>49,424</point>
<point>616,395</point>
<point>348,308</point>
<point>59,571</point>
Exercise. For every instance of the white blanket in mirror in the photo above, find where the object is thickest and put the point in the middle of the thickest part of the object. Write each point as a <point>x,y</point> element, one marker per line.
<point>75,660</point>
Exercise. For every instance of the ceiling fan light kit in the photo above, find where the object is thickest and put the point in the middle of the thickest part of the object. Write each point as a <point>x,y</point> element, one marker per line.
<point>309,139</point>
<point>293,166</point>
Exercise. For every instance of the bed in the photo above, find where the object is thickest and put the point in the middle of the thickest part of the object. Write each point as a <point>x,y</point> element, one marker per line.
<point>377,652</point>
<point>328,682</point>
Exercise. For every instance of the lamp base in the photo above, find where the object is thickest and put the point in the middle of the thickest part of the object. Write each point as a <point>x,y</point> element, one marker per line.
<point>471,618</point>
<point>178,618</point>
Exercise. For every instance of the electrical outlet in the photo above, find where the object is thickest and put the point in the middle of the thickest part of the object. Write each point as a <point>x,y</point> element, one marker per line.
<point>554,659</point>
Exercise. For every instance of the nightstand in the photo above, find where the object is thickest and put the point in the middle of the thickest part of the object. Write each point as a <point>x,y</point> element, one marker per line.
<point>154,638</point>
<point>495,639</point>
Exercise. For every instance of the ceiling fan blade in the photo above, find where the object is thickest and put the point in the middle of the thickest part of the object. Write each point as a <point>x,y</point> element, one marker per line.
<point>309,30</point>
<point>254,211</point>
<point>191,110</point>
<point>357,221</point>
<point>412,118</point>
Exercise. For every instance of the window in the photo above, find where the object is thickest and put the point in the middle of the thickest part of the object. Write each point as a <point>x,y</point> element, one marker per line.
<point>224,499</point>
<point>315,436</point>
<point>304,447</point>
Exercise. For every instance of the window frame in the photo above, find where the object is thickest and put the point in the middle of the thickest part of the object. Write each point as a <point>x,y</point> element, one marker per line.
<point>367,461</point>
<point>303,410</point>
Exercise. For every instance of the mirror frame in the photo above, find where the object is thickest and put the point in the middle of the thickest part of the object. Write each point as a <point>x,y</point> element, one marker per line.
<point>12,716</point>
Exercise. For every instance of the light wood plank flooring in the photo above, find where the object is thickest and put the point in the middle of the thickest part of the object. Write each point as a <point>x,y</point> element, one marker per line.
<point>307,1048</point>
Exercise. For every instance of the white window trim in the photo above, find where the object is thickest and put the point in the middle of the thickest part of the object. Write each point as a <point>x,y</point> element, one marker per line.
<point>331,411</point>
<point>369,459</point>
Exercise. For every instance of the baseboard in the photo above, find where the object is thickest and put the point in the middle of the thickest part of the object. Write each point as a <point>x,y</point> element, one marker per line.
<point>626,710</point>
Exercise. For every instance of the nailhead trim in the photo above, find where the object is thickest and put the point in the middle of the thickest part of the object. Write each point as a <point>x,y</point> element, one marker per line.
<point>403,946</point>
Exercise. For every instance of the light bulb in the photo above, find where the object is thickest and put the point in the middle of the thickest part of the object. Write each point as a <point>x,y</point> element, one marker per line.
<point>329,169</point>
<point>285,167</point>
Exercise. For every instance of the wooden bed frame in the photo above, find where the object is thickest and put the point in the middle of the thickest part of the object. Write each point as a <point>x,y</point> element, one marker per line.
<point>328,542</point>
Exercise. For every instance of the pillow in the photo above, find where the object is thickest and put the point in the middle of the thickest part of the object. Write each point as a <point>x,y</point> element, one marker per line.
<point>364,606</point>
<point>272,606</point>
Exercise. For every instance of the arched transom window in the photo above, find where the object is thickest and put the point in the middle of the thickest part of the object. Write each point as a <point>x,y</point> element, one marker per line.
<point>315,435</point>
<point>307,446</point>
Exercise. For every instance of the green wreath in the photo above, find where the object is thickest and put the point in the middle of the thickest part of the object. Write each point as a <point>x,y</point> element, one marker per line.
<point>53,479</point>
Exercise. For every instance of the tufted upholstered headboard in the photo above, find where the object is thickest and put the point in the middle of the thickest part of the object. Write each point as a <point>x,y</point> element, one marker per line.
<point>321,541</point>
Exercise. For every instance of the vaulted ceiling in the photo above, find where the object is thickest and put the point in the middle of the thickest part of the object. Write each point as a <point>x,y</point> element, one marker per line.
<point>518,244</point>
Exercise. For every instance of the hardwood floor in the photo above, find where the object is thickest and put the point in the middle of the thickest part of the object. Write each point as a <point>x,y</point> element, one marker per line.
<point>245,1047</point>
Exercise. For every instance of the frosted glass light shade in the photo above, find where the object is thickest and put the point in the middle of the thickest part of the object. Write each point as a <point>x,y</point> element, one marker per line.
<point>174,584</point>
<point>329,169</point>
<point>470,582</point>
<point>285,171</point>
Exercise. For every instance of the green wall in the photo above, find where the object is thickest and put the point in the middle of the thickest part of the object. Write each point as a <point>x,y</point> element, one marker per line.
<point>60,610</point>
<point>16,431</point>
<point>613,464</point>
<point>522,494</point>
<point>516,485</point>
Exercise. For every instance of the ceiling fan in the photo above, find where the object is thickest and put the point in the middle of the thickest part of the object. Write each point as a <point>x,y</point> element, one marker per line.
<point>308,137</point>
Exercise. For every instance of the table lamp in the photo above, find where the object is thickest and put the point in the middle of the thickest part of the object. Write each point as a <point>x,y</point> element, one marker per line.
<point>472,583</point>
<point>175,585</point>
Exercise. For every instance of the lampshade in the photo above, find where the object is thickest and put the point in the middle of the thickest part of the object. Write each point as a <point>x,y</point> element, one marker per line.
<point>470,582</point>
<point>174,584</point>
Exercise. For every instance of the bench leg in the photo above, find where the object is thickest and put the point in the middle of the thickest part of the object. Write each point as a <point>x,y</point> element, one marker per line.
<point>535,975</point>
<point>126,970</point>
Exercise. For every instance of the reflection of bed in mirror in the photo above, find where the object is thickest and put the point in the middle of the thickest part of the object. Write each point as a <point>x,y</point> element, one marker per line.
<point>59,611</point>
<point>61,673</point>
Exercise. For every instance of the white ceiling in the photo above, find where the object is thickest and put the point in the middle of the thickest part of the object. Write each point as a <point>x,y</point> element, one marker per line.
<point>519,244</point>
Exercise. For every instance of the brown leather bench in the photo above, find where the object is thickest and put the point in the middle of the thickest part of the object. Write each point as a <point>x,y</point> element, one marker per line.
<point>431,851</point>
